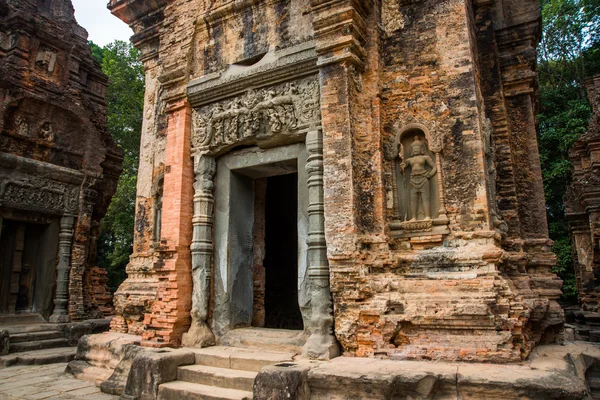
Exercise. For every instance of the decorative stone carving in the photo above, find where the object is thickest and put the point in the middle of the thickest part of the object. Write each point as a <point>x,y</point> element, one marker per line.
<point>417,225</point>
<point>420,197</point>
<point>46,58</point>
<point>418,193</point>
<point>199,334</point>
<point>61,297</point>
<point>257,115</point>
<point>22,126</point>
<point>46,132</point>
<point>322,343</point>
<point>40,194</point>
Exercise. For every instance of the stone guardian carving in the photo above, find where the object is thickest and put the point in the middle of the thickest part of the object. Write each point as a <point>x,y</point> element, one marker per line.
<point>418,202</point>
<point>199,334</point>
<point>420,196</point>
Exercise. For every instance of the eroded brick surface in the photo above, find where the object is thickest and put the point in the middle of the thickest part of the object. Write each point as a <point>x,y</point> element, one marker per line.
<point>473,284</point>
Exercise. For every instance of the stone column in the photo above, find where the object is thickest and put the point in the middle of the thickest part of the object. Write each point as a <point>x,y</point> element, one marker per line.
<point>61,298</point>
<point>322,343</point>
<point>437,147</point>
<point>200,334</point>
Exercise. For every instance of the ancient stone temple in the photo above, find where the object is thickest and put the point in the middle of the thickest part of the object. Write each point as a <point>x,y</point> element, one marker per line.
<point>583,206</point>
<point>363,173</point>
<point>58,164</point>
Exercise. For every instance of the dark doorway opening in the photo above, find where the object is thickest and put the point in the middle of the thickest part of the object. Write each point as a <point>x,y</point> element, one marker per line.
<point>8,237</point>
<point>27,267</point>
<point>281,253</point>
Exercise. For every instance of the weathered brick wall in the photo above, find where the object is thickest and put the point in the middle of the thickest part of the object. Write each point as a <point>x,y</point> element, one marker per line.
<point>154,300</point>
<point>475,286</point>
<point>52,110</point>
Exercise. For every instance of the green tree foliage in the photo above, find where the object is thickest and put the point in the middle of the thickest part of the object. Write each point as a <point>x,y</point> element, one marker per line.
<point>568,53</point>
<point>125,102</point>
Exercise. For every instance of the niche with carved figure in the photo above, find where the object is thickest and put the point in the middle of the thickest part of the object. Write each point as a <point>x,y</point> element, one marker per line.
<point>417,201</point>
<point>158,205</point>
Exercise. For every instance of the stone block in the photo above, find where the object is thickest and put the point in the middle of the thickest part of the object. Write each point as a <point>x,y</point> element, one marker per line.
<point>288,380</point>
<point>4,342</point>
<point>150,368</point>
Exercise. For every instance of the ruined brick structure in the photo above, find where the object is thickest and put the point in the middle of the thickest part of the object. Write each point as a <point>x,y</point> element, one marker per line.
<point>408,126</point>
<point>583,205</point>
<point>59,165</point>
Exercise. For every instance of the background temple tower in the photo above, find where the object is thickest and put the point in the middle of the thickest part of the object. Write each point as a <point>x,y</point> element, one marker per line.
<point>583,204</point>
<point>59,165</point>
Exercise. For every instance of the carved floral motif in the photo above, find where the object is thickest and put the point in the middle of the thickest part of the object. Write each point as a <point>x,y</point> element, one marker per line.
<point>257,114</point>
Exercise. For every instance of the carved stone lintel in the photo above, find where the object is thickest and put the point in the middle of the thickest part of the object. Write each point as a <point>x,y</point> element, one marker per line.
<point>322,343</point>
<point>199,334</point>
<point>64,266</point>
<point>257,115</point>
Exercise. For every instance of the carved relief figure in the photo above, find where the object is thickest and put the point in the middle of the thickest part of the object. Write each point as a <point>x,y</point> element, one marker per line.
<point>46,132</point>
<point>420,200</point>
<point>22,126</point>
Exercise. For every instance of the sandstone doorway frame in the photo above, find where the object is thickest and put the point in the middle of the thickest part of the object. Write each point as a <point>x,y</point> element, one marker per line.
<point>234,225</point>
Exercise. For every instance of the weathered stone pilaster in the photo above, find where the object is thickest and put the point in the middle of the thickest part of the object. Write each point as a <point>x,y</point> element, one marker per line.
<point>200,334</point>
<point>61,297</point>
<point>322,343</point>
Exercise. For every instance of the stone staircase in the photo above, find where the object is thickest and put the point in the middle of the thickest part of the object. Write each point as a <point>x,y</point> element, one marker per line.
<point>221,373</point>
<point>31,340</point>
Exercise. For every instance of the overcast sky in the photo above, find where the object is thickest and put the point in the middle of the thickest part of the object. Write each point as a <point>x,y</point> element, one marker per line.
<point>101,25</point>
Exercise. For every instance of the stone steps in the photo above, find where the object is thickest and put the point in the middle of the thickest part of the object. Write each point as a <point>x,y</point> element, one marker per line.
<point>32,328</point>
<point>39,357</point>
<point>19,319</point>
<point>221,373</point>
<point>35,336</point>
<point>30,341</point>
<point>221,377</point>
<point>38,345</point>
<point>179,390</point>
<point>240,358</point>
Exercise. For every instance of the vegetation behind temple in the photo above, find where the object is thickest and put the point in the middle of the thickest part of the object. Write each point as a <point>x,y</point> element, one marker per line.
<point>570,51</point>
<point>125,102</point>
